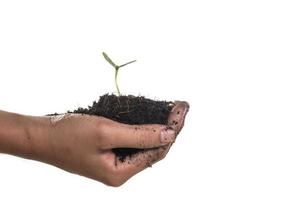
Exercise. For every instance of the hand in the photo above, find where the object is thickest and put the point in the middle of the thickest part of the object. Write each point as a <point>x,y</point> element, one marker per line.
<point>83,144</point>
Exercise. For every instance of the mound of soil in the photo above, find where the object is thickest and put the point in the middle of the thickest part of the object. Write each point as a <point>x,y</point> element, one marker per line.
<point>130,109</point>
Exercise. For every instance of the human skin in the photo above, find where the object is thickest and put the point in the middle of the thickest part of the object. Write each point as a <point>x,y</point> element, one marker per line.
<point>82,144</point>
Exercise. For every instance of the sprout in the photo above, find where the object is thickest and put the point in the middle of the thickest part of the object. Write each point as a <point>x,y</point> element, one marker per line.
<point>117,67</point>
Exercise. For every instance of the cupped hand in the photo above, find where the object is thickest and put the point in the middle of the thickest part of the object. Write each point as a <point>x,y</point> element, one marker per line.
<point>83,144</point>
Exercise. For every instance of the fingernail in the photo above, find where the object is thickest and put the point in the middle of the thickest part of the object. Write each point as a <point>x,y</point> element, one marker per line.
<point>167,136</point>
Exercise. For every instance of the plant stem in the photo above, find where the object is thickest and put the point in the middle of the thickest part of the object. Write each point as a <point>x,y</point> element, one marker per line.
<point>116,81</point>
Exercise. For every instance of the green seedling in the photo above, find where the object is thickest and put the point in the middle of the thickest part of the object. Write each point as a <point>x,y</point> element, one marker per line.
<point>117,67</point>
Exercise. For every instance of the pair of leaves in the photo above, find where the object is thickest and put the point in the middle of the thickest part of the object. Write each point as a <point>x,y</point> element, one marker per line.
<point>113,64</point>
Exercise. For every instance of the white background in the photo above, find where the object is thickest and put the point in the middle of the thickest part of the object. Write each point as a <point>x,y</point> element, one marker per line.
<point>236,63</point>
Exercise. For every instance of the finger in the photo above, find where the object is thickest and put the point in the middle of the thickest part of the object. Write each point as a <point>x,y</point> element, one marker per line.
<point>177,116</point>
<point>176,120</point>
<point>139,136</point>
<point>140,161</point>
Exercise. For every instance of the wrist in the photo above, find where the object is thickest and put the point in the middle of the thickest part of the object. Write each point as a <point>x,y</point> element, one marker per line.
<point>37,132</point>
<point>24,136</point>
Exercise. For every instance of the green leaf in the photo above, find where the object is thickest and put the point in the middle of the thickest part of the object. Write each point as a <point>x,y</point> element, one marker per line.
<point>109,60</point>
<point>127,63</point>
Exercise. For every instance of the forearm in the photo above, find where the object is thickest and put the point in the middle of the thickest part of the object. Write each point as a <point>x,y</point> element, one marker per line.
<point>22,135</point>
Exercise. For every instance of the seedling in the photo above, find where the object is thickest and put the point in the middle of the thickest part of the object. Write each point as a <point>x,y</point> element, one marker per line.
<point>117,67</point>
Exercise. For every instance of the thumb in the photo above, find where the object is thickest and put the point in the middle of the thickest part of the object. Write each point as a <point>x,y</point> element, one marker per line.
<point>140,136</point>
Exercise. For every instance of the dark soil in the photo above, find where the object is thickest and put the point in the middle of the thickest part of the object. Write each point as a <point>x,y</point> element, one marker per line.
<point>130,110</point>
